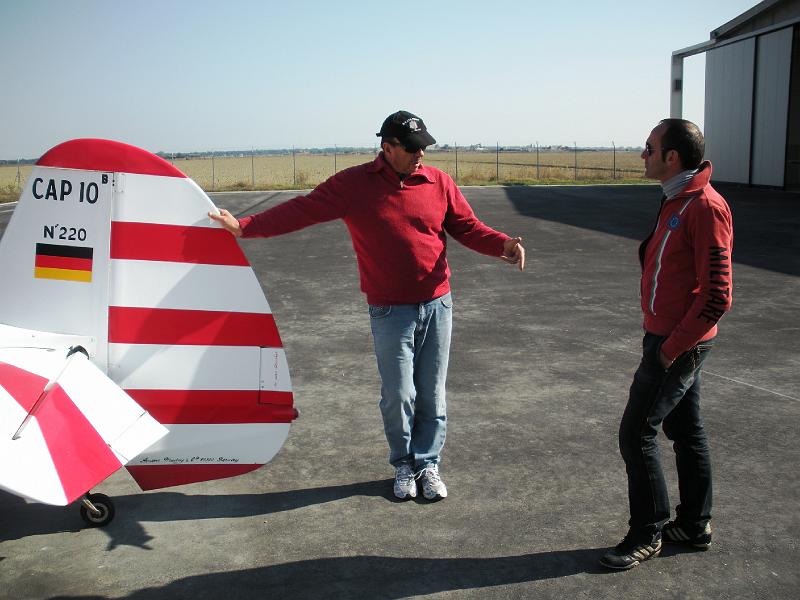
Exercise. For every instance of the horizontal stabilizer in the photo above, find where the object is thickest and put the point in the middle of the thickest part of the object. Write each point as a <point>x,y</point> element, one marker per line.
<point>78,426</point>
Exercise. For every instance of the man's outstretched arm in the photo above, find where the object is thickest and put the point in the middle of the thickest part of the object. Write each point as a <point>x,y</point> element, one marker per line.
<point>514,252</point>
<point>227,220</point>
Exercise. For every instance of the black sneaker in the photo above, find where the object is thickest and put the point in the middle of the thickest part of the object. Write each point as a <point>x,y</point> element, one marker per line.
<point>674,533</point>
<point>629,553</point>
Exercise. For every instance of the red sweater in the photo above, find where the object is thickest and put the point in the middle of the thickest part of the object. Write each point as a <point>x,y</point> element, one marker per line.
<point>687,278</point>
<point>397,227</point>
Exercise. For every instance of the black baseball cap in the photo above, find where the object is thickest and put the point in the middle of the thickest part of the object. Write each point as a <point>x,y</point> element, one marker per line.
<point>409,130</point>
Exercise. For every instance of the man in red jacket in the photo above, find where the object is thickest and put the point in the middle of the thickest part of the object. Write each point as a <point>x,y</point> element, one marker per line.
<point>398,212</point>
<point>685,289</point>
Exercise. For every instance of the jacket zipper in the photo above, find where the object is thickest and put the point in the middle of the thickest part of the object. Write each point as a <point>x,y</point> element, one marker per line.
<point>659,256</point>
<point>655,273</point>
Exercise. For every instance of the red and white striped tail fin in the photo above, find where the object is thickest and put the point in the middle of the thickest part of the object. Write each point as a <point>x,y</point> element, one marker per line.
<point>179,317</point>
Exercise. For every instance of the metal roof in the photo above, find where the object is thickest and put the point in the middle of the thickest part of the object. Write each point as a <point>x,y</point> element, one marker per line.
<point>734,25</point>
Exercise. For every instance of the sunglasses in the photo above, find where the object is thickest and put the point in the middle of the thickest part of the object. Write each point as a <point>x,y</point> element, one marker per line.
<point>409,149</point>
<point>649,149</point>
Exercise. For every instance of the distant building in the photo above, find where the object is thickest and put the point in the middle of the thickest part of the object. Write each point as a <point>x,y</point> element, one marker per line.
<point>752,106</point>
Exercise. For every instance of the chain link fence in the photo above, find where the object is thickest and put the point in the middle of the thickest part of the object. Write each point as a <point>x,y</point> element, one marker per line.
<point>302,169</point>
<point>305,168</point>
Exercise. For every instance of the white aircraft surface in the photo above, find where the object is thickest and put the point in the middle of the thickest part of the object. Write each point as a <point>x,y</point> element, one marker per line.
<point>110,256</point>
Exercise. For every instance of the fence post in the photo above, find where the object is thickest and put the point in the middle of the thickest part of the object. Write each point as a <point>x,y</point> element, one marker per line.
<point>614,162</point>
<point>334,159</point>
<point>537,160</point>
<point>575,145</point>
<point>294,170</point>
<point>456,147</point>
<point>213,174</point>
<point>497,162</point>
<point>18,181</point>
<point>253,167</point>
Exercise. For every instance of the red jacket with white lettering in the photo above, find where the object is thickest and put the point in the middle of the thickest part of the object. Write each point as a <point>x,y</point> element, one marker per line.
<point>397,227</point>
<point>686,262</point>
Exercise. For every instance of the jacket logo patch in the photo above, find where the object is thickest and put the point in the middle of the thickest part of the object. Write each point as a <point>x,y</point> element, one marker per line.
<point>674,222</point>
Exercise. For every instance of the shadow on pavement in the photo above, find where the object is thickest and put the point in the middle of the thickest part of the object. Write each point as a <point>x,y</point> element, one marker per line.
<point>765,221</point>
<point>375,577</point>
<point>20,519</point>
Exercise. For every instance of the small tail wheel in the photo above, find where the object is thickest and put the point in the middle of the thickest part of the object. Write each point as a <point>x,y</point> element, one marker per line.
<point>97,510</point>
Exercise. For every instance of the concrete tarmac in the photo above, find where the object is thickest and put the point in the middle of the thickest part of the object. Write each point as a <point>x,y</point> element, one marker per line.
<point>540,367</point>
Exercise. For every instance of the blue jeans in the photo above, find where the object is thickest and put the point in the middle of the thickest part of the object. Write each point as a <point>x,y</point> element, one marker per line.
<point>670,397</point>
<point>412,347</point>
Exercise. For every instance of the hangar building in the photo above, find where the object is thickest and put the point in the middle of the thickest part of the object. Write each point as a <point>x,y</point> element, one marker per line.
<point>752,106</point>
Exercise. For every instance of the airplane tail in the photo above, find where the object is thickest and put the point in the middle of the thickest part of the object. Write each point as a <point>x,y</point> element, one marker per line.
<point>112,243</point>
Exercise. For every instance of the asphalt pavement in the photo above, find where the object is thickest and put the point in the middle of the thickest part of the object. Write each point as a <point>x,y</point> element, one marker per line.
<point>540,366</point>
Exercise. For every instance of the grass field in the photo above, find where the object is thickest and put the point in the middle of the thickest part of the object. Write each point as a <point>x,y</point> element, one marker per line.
<point>307,170</point>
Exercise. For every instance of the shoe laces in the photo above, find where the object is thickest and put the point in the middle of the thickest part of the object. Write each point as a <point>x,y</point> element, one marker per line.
<point>405,474</point>
<point>431,474</point>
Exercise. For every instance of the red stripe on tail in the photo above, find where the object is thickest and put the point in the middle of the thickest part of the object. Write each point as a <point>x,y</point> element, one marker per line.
<point>175,243</point>
<point>211,406</point>
<point>167,326</point>
<point>152,477</point>
<point>92,154</point>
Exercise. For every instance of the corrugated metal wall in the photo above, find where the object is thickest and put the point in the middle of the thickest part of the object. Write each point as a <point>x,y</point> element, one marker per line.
<point>729,110</point>
<point>746,110</point>
<point>773,67</point>
<point>792,180</point>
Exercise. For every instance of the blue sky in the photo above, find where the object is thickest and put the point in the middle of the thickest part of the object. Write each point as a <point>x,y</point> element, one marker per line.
<point>197,75</point>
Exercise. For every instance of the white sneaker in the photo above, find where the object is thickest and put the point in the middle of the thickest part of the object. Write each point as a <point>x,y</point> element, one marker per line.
<point>404,484</point>
<point>433,487</point>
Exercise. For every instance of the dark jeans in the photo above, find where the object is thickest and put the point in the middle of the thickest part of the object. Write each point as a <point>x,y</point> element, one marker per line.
<point>671,397</point>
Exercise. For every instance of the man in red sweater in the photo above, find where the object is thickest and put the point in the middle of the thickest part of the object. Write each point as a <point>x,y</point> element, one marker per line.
<point>398,212</point>
<point>686,287</point>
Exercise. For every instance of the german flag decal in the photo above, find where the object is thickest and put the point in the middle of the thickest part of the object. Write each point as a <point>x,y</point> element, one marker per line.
<point>69,263</point>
